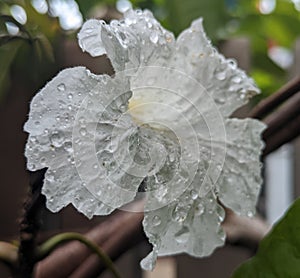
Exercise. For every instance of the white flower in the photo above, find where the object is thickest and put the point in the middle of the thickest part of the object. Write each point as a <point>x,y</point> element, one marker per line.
<point>158,129</point>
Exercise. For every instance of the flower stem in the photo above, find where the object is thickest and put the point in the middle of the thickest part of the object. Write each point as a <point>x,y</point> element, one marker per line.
<point>47,247</point>
<point>9,253</point>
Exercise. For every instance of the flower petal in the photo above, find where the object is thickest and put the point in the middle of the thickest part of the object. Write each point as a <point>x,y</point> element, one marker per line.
<point>77,129</point>
<point>190,224</point>
<point>136,40</point>
<point>89,38</point>
<point>226,84</point>
<point>240,179</point>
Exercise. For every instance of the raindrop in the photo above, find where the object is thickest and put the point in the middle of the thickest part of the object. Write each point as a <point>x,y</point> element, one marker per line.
<point>219,100</point>
<point>43,160</point>
<point>156,220</point>
<point>250,214</point>
<point>83,131</point>
<point>50,178</point>
<point>32,139</point>
<point>182,235</point>
<point>154,37</point>
<point>81,120</point>
<point>221,75</point>
<point>61,87</point>
<point>233,64</point>
<point>71,160</point>
<point>70,96</point>
<point>199,209</point>
<point>88,30</point>
<point>221,214</point>
<point>172,156</point>
<point>57,139</point>
<point>194,194</point>
<point>179,214</point>
<point>68,146</point>
<point>122,108</point>
<point>237,79</point>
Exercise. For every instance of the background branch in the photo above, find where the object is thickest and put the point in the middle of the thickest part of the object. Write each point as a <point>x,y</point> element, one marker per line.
<point>118,233</point>
<point>267,105</point>
<point>122,231</point>
<point>30,224</point>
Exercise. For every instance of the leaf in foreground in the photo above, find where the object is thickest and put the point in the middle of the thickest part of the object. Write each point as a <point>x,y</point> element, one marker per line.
<point>279,252</point>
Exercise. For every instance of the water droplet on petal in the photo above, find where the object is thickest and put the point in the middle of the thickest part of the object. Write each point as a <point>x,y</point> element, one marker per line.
<point>43,160</point>
<point>31,167</point>
<point>199,209</point>
<point>57,139</point>
<point>83,131</point>
<point>88,30</point>
<point>182,235</point>
<point>156,220</point>
<point>68,146</point>
<point>220,100</point>
<point>154,37</point>
<point>61,87</point>
<point>221,75</point>
<point>237,79</point>
<point>32,139</point>
<point>194,194</point>
<point>233,64</point>
<point>50,178</point>
<point>250,214</point>
<point>180,213</point>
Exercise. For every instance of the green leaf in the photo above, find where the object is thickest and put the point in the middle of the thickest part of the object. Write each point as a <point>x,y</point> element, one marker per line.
<point>7,55</point>
<point>279,252</point>
<point>181,14</point>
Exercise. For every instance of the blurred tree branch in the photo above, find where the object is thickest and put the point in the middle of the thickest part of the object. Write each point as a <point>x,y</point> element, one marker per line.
<point>122,231</point>
<point>283,124</point>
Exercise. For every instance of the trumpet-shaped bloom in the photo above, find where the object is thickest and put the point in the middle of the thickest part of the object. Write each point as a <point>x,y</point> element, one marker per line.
<point>159,129</point>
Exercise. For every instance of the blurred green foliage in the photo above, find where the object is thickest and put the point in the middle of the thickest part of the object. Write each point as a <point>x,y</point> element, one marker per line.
<point>279,252</point>
<point>37,40</point>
